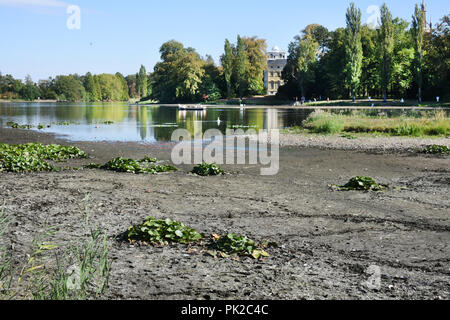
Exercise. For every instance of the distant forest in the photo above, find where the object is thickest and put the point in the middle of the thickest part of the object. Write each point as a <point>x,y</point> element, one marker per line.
<point>397,59</point>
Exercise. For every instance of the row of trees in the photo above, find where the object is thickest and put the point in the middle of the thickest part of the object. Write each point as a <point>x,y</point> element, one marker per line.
<point>182,75</point>
<point>398,59</point>
<point>102,87</point>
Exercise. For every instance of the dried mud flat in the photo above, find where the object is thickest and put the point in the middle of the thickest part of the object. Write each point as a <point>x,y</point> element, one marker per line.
<point>327,240</point>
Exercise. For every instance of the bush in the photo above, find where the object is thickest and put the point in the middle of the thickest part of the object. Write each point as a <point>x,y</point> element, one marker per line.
<point>162,232</point>
<point>208,169</point>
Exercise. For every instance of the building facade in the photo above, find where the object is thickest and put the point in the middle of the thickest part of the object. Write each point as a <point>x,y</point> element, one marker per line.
<point>276,61</point>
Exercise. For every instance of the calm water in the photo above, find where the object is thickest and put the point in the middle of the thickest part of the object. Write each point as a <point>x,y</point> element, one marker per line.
<point>140,123</point>
<point>148,123</point>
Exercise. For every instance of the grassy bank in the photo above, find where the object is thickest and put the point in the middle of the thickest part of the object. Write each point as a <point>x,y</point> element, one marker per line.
<point>434,124</point>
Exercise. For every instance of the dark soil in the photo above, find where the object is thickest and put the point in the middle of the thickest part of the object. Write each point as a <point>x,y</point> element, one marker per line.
<point>327,240</point>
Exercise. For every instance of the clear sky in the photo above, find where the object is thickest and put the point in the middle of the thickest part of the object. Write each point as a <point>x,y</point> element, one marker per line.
<point>121,35</point>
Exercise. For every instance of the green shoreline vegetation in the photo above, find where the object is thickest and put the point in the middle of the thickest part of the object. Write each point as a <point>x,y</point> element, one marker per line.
<point>426,124</point>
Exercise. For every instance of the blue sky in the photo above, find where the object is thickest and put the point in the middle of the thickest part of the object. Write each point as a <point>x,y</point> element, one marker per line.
<point>122,35</point>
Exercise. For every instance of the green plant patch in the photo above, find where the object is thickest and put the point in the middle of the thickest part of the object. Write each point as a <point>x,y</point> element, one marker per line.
<point>233,244</point>
<point>361,184</point>
<point>348,136</point>
<point>436,149</point>
<point>15,125</point>
<point>162,232</point>
<point>133,166</point>
<point>149,159</point>
<point>208,169</point>
<point>32,156</point>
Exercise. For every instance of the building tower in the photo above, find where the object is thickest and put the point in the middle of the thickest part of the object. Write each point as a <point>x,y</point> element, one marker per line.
<point>276,61</point>
<point>428,27</point>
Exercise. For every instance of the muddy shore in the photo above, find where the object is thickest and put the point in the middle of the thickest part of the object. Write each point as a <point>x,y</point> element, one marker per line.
<point>327,240</point>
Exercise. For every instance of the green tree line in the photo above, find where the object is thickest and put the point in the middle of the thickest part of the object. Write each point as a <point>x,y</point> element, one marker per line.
<point>92,88</point>
<point>399,59</point>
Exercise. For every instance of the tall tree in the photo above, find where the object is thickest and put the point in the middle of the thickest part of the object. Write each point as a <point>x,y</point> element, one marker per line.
<point>320,34</point>
<point>354,54</point>
<point>386,48</point>
<point>299,71</point>
<point>227,64</point>
<point>256,51</point>
<point>418,32</point>
<point>241,67</point>
<point>89,85</point>
<point>141,82</point>
<point>124,96</point>
<point>179,75</point>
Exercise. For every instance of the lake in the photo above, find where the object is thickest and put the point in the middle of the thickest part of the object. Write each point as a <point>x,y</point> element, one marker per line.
<point>86,121</point>
<point>148,124</point>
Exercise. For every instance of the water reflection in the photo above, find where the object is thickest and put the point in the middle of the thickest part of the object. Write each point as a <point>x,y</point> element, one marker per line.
<point>146,123</point>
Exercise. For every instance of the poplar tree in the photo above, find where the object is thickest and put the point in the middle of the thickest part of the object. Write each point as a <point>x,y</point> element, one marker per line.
<point>353,50</point>
<point>241,67</point>
<point>142,82</point>
<point>386,48</point>
<point>227,64</point>
<point>418,33</point>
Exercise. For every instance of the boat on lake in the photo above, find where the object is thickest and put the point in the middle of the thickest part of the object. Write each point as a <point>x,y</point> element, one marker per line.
<point>191,107</point>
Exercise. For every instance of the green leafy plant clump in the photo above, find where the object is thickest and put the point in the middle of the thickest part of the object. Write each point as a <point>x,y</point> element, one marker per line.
<point>436,149</point>
<point>32,156</point>
<point>208,169</point>
<point>236,244</point>
<point>15,125</point>
<point>162,232</point>
<point>362,184</point>
<point>133,166</point>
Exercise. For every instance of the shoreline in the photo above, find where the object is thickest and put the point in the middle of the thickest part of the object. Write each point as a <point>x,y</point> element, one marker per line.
<point>255,106</point>
<point>386,144</point>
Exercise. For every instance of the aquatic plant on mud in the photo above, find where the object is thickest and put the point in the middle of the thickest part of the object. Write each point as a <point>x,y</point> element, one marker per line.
<point>15,125</point>
<point>362,184</point>
<point>148,159</point>
<point>32,156</point>
<point>236,244</point>
<point>436,149</point>
<point>162,232</point>
<point>208,169</point>
<point>133,166</point>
